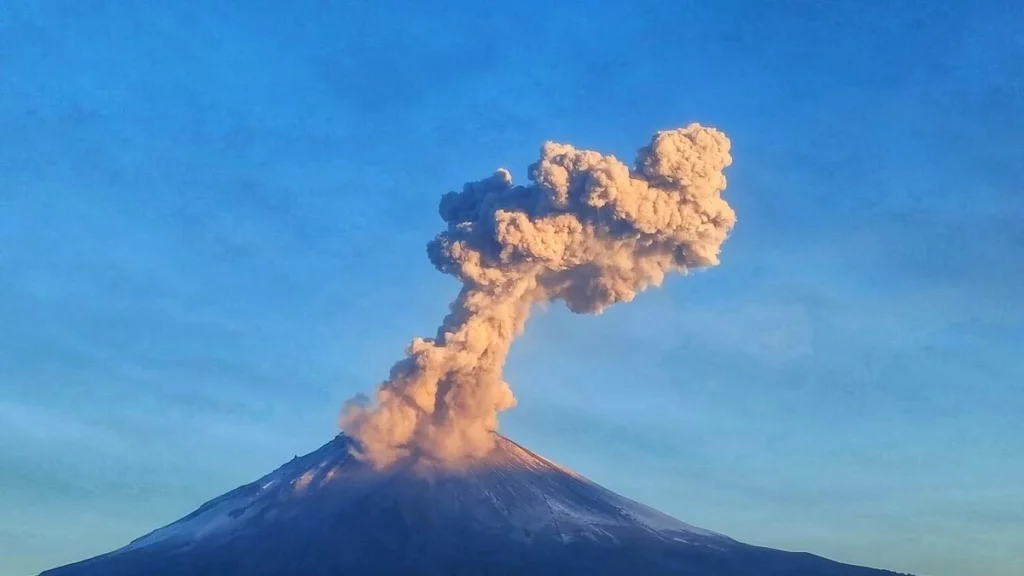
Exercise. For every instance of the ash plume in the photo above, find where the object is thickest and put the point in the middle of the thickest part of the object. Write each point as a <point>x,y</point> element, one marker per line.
<point>587,230</point>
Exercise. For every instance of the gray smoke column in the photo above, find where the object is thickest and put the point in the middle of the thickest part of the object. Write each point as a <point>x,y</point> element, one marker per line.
<point>588,231</point>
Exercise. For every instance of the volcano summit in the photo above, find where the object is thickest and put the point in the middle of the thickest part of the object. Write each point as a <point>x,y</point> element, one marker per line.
<point>512,512</point>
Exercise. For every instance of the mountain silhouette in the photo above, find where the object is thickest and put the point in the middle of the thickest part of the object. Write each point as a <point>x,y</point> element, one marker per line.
<point>514,512</point>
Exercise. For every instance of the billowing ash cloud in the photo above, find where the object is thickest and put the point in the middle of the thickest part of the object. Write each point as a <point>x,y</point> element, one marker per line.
<point>588,231</point>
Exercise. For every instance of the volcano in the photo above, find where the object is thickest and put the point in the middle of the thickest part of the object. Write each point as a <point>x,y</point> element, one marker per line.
<point>513,512</point>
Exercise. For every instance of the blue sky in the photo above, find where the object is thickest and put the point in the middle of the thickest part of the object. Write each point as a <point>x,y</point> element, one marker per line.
<point>212,230</point>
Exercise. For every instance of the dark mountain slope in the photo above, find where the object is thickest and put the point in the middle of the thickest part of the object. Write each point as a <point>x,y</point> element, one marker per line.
<point>514,513</point>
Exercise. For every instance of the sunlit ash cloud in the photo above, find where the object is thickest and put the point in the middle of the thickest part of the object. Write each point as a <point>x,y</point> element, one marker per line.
<point>588,230</point>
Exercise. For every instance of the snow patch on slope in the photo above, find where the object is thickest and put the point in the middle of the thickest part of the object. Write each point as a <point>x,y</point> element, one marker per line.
<point>234,510</point>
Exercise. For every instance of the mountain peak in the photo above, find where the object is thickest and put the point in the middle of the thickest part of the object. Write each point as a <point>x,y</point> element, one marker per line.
<point>511,512</point>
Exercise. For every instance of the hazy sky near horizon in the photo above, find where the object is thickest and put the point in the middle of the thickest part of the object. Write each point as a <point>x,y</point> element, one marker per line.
<point>212,231</point>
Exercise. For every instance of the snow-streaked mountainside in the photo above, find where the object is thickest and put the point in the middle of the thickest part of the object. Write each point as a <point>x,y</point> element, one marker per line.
<point>327,513</point>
